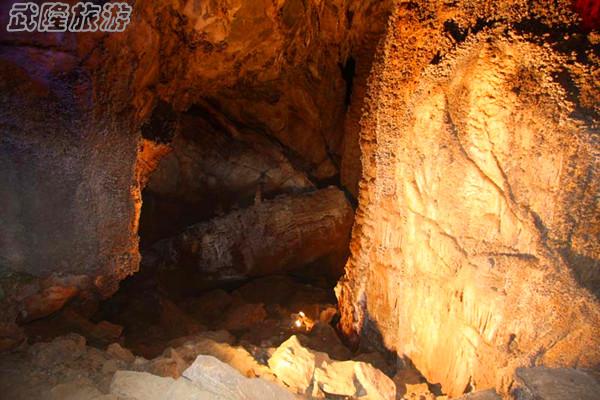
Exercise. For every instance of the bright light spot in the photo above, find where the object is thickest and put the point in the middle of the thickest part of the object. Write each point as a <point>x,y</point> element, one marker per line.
<point>298,323</point>
<point>301,314</point>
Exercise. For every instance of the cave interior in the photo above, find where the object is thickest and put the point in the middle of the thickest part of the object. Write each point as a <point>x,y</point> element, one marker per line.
<point>334,199</point>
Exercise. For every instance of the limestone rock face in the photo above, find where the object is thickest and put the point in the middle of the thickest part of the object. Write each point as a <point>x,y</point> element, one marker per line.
<point>475,245</point>
<point>269,237</point>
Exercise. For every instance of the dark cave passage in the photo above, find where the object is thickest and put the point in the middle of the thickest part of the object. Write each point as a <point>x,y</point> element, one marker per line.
<point>233,236</point>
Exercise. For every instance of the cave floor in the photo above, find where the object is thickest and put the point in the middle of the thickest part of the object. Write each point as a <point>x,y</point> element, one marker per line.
<point>149,327</point>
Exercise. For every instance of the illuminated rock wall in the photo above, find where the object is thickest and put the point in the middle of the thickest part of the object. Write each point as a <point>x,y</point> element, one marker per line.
<point>475,247</point>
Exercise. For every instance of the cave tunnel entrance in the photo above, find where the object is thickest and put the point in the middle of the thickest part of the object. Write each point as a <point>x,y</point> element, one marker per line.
<point>236,239</point>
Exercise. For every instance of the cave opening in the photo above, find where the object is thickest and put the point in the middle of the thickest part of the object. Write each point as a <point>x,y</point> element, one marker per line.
<point>239,241</point>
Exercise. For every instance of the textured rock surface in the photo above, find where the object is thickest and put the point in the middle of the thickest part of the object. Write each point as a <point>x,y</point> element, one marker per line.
<point>269,237</point>
<point>354,379</point>
<point>209,170</point>
<point>221,379</point>
<point>555,384</point>
<point>293,364</point>
<point>475,246</point>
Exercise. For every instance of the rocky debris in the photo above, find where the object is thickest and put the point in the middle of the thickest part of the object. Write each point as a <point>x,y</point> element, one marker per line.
<point>132,385</point>
<point>228,383</point>
<point>295,365</point>
<point>470,254</point>
<point>308,371</point>
<point>419,391</point>
<point>82,389</point>
<point>410,385</point>
<point>201,368</point>
<point>115,350</point>
<point>210,306</point>
<point>220,336</point>
<point>257,313</point>
<point>274,236</point>
<point>377,360</point>
<point>11,335</point>
<point>175,360</point>
<point>62,349</point>
<point>542,383</point>
<point>62,369</point>
<point>176,321</point>
<point>106,331</point>
<point>46,302</point>
<point>354,379</point>
<point>323,337</point>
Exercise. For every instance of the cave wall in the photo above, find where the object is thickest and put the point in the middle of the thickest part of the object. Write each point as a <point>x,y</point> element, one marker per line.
<point>68,187</point>
<point>475,247</point>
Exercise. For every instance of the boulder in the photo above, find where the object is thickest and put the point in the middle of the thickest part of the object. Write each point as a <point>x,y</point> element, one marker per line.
<point>174,361</point>
<point>295,365</point>
<point>226,382</point>
<point>115,350</point>
<point>356,379</point>
<point>46,302</point>
<point>273,236</point>
<point>144,386</point>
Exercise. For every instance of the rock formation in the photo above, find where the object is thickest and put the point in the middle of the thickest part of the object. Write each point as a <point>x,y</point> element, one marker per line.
<point>272,236</point>
<point>475,244</point>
